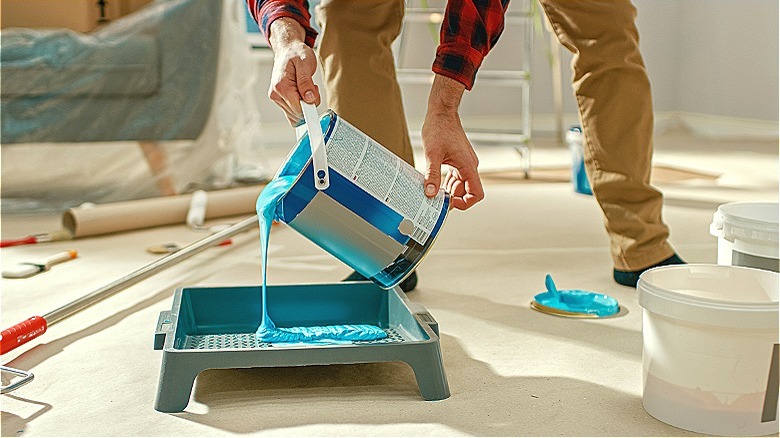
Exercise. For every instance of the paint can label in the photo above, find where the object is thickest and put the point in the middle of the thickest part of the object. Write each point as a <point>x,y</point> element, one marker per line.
<point>386,177</point>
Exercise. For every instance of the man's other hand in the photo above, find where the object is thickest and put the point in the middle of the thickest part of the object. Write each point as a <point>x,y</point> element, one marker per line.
<point>445,142</point>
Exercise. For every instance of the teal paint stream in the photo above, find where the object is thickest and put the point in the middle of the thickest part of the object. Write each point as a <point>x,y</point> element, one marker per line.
<point>268,332</point>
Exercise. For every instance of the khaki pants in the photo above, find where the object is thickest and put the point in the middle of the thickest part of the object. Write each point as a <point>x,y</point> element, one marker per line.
<point>359,71</point>
<point>610,83</point>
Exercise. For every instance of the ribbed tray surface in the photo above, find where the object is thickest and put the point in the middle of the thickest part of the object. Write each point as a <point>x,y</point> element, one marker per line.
<point>249,340</point>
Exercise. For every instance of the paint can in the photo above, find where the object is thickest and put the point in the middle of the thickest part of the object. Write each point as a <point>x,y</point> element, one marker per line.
<point>747,234</point>
<point>579,179</point>
<point>710,348</point>
<point>366,206</point>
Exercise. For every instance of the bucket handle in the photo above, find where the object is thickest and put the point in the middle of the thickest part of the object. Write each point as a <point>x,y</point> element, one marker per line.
<point>317,144</point>
<point>716,227</point>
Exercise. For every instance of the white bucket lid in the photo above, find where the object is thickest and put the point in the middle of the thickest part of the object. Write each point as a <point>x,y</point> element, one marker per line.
<point>751,221</point>
<point>714,295</point>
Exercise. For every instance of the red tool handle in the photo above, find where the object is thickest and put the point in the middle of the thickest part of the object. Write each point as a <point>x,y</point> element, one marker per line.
<point>21,333</point>
<point>23,241</point>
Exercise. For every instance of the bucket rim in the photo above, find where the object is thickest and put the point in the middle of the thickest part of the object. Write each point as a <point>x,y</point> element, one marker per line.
<point>739,220</point>
<point>646,286</point>
<point>430,244</point>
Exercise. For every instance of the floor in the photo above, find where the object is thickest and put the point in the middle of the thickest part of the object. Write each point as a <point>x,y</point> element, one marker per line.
<point>511,370</point>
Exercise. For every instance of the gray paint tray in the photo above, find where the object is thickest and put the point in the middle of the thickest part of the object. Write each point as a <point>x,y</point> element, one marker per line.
<point>214,327</point>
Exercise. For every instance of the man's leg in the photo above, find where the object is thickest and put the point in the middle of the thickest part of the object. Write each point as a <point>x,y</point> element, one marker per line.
<point>359,70</point>
<point>613,94</point>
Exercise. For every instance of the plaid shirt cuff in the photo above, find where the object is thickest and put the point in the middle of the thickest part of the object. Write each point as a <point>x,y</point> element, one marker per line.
<point>271,11</point>
<point>459,62</point>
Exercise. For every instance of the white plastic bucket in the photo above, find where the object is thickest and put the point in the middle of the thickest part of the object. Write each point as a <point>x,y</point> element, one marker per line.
<point>710,348</point>
<point>747,234</point>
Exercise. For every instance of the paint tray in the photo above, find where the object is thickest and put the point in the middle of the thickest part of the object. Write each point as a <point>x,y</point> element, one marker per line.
<point>214,328</point>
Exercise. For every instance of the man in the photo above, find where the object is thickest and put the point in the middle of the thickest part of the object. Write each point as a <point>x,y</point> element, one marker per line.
<point>610,83</point>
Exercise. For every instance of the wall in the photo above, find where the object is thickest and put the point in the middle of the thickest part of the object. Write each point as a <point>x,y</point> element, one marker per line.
<point>708,57</point>
<point>714,58</point>
<point>728,58</point>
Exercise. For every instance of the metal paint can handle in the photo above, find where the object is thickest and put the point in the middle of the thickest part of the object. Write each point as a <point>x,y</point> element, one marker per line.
<point>317,144</point>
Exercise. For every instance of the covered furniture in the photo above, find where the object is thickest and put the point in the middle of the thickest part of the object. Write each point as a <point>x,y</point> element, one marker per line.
<point>173,72</point>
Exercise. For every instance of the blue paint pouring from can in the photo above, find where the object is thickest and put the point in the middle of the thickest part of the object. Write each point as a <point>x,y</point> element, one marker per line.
<point>268,332</point>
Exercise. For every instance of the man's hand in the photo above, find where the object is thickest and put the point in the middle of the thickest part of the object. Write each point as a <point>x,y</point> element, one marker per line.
<point>294,67</point>
<point>445,142</point>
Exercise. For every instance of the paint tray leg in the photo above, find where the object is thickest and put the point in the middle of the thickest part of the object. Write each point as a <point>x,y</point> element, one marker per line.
<point>429,372</point>
<point>175,386</point>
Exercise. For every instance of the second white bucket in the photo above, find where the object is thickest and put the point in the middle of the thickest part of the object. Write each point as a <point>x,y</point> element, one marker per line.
<point>710,348</point>
<point>747,234</point>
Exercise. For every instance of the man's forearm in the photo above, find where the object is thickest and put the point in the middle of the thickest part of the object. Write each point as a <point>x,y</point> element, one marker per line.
<point>445,95</point>
<point>285,31</point>
<point>266,12</point>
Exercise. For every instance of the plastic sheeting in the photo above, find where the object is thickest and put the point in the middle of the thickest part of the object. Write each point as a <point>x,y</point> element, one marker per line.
<point>176,73</point>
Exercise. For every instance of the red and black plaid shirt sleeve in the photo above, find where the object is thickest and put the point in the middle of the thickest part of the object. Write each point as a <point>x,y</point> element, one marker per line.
<point>266,11</point>
<point>470,29</point>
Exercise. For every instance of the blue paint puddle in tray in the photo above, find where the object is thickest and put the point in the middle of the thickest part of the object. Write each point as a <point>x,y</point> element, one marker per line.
<point>574,303</point>
<point>268,332</point>
<point>346,333</point>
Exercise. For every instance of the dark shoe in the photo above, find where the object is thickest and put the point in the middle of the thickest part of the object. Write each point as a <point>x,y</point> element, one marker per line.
<point>410,282</point>
<point>407,285</point>
<point>630,278</point>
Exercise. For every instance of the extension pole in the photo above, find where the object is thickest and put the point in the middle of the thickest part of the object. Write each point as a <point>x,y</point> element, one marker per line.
<point>33,327</point>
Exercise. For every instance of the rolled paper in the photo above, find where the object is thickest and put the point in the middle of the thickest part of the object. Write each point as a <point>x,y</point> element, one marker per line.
<point>93,220</point>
